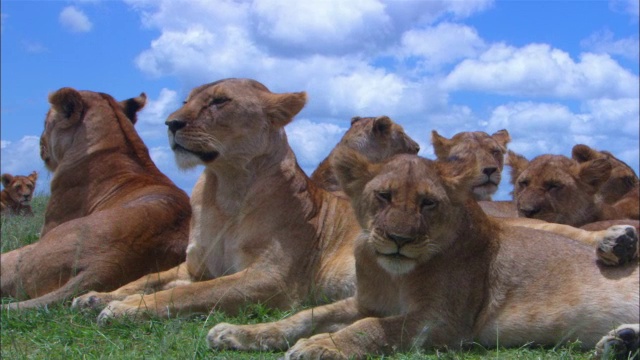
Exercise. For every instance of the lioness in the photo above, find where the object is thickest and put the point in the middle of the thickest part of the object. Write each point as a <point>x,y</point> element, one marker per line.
<point>377,138</point>
<point>485,151</point>
<point>558,189</point>
<point>112,216</point>
<point>434,271</point>
<point>262,231</point>
<point>15,198</point>
<point>622,189</point>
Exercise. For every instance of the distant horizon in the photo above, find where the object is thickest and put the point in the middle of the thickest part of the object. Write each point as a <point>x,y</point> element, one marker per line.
<point>554,74</point>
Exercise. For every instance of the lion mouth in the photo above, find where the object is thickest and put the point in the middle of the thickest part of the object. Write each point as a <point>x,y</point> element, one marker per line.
<point>395,256</point>
<point>204,156</point>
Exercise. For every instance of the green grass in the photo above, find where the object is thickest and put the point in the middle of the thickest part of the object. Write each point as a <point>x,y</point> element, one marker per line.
<point>57,332</point>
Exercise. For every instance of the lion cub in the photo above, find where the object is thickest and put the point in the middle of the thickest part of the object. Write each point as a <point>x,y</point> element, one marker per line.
<point>377,138</point>
<point>17,193</point>
<point>434,271</point>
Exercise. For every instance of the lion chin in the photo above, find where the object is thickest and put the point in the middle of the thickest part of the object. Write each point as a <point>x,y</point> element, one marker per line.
<point>396,264</point>
<point>187,159</point>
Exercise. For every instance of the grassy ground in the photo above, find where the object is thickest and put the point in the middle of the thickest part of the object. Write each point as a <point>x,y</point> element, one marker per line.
<point>57,332</point>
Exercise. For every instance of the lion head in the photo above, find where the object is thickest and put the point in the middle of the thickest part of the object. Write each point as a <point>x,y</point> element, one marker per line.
<point>218,120</point>
<point>18,191</point>
<point>557,189</point>
<point>377,138</point>
<point>66,117</point>
<point>622,180</point>
<point>480,150</point>
<point>406,206</point>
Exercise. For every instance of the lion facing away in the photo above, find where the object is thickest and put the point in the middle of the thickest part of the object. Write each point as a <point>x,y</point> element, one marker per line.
<point>434,271</point>
<point>112,215</point>
<point>16,196</point>
<point>377,138</point>
<point>255,214</point>
<point>622,189</point>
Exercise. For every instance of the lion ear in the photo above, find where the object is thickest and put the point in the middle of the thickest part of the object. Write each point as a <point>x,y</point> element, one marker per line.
<point>517,163</point>
<point>382,125</point>
<point>281,108</point>
<point>353,170</point>
<point>355,119</point>
<point>130,107</point>
<point>595,172</point>
<point>441,145</point>
<point>502,137</point>
<point>582,153</point>
<point>7,179</point>
<point>33,176</point>
<point>458,178</point>
<point>68,103</point>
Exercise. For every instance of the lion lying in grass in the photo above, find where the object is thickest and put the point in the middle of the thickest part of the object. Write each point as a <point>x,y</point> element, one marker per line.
<point>112,216</point>
<point>15,198</point>
<point>434,271</point>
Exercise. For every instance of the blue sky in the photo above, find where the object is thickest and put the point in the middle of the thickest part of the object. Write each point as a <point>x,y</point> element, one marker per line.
<point>553,73</point>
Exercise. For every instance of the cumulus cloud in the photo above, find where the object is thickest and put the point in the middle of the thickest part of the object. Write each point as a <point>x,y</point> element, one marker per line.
<point>151,118</point>
<point>74,20</point>
<point>631,7</point>
<point>540,70</point>
<point>603,42</point>
<point>312,141</point>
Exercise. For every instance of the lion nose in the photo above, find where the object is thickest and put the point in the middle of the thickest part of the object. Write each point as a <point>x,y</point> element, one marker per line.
<point>530,212</point>
<point>489,170</point>
<point>175,125</point>
<point>399,239</point>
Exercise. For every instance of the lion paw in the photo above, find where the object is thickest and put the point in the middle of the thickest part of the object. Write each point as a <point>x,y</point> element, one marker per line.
<point>318,346</point>
<point>91,300</point>
<point>621,343</point>
<point>260,337</point>
<point>120,309</point>
<point>619,246</point>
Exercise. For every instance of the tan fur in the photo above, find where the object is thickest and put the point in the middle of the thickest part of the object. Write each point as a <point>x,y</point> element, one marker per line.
<point>557,189</point>
<point>377,138</point>
<point>485,152</point>
<point>622,189</point>
<point>434,271</point>
<point>262,231</point>
<point>112,216</point>
<point>16,196</point>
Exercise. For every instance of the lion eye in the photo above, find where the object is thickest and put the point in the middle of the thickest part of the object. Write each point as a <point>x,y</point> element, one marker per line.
<point>523,183</point>
<point>219,101</point>
<point>496,152</point>
<point>552,186</point>
<point>384,196</point>
<point>428,204</point>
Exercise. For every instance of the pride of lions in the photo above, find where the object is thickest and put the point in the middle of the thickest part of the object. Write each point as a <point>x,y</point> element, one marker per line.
<point>398,252</point>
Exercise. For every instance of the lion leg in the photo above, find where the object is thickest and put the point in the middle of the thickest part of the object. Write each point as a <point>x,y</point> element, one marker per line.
<point>618,246</point>
<point>228,293</point>
<point>621,343</point>
<point>74,286</point>
<point>147,284</point>
<point>280,335</point>
<point>369,336</point>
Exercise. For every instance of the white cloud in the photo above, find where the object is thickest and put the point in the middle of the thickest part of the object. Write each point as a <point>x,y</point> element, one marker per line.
<point>34,47</point>
<point>75,20</point>
<point>631,7</point>
<point>312,141</point>
<point>539,70</point>
<point>3,18</point>
<point>603,42</point>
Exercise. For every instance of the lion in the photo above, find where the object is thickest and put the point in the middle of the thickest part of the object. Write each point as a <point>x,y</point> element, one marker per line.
<point>16,196</point>
<point>377,138</point>
<point>112,216</point>
<point>433,270</point>
<point>255,215</point>
<point>622,189</point>
<point>483,150</point>
<point>557,189</point>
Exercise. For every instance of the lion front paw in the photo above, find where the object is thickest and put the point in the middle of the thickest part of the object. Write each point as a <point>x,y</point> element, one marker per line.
<point>619,245</point>
<point>261,337</point>
<point>621,343</point>
<point>131,307</point>
<point>92,300</point>
<point>318,346</point>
